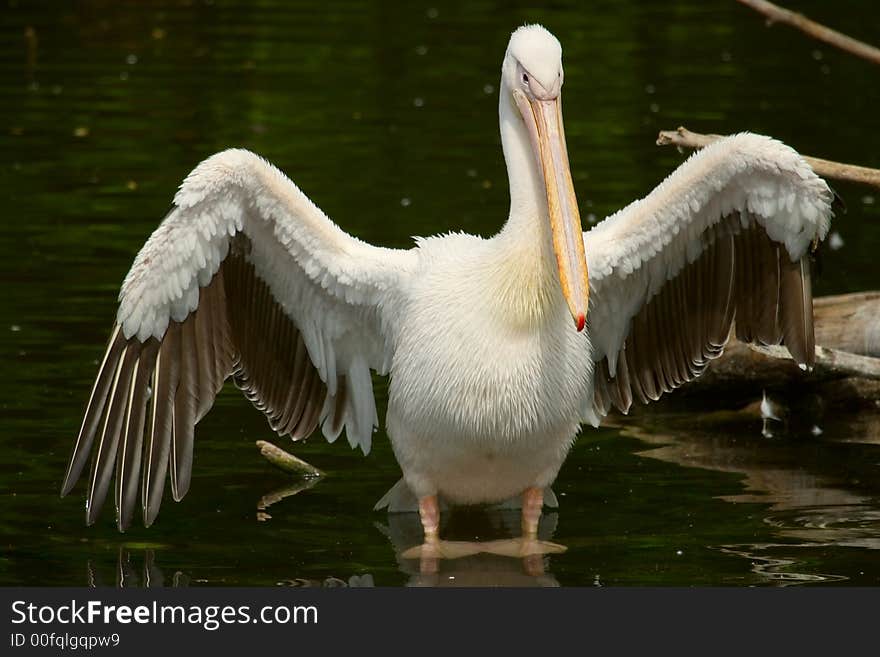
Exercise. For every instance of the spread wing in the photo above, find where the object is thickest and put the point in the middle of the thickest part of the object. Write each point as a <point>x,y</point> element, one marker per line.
<point>722,240</point>
<point>244,277</point>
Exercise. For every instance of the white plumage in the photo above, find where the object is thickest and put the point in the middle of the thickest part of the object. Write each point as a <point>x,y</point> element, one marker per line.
<point>329,283</point>
<point>490,378</point>
<point>635,251</point>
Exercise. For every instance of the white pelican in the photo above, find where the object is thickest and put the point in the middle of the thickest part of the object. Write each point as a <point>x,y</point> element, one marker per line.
<point>497,349</point>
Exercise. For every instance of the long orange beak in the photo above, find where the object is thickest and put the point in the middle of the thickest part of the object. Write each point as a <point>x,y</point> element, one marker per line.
<point>543,119</point>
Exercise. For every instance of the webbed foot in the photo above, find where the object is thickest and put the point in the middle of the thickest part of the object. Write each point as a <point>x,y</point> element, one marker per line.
<point>437,549</point>
<point>523,546</point>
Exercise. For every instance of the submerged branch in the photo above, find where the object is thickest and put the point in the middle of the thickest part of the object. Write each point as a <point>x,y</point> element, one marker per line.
<point>776,14</point>
<point>684,138</point>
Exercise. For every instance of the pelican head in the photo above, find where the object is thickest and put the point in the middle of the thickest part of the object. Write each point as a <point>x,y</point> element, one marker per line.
<point>532,80</point>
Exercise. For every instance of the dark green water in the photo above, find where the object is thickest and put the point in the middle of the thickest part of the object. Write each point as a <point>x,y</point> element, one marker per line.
<point>105,106</point>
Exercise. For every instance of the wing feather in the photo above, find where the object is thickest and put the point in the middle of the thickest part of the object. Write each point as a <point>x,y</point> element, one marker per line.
<point>186,400</point>
<point>797,311</point>
<point>159,435</point>
<point>94,409</point>
<point>722,242</point>
<point>128,462</point>
<point>245,278</point>
<point>114,417</point>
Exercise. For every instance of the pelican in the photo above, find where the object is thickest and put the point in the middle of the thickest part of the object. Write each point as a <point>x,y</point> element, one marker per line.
<point>498,349</point>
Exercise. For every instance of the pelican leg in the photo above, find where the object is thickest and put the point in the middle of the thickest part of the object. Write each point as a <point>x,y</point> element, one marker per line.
<point>532,505</point>
<point>433,549</point>
<point>429,512</point>
<point>527,546</point>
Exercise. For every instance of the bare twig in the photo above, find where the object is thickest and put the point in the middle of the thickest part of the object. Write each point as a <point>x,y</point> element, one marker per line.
<point>776,14</point>
<point>683,137</point>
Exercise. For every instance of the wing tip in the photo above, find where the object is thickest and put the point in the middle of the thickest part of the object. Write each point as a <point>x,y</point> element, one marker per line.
<point>149,516</point>
<point>180,488</point>
<point>66,488</point>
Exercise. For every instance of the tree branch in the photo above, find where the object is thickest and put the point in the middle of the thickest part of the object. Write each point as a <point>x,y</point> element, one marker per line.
<point>682,137</point>
<point>776,14</point>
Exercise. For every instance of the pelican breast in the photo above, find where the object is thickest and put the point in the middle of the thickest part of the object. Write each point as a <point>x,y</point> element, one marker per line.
<point>481,354</point>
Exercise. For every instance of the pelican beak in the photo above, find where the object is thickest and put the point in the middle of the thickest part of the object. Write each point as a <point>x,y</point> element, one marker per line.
<point>543,120</point>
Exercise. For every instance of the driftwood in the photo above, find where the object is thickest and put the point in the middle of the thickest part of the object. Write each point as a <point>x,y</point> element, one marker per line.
<point>287,461</point>
<point>849,322</point>
<point>776,14</point>
<point>684,138</point>
<point>847,369</point>
<point>307,476</point>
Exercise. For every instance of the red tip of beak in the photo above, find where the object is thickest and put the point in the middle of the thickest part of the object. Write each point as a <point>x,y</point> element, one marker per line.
<point>581,321</point>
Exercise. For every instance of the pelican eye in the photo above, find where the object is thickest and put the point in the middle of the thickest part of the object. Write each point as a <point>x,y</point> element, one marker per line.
<point>525,78</point>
